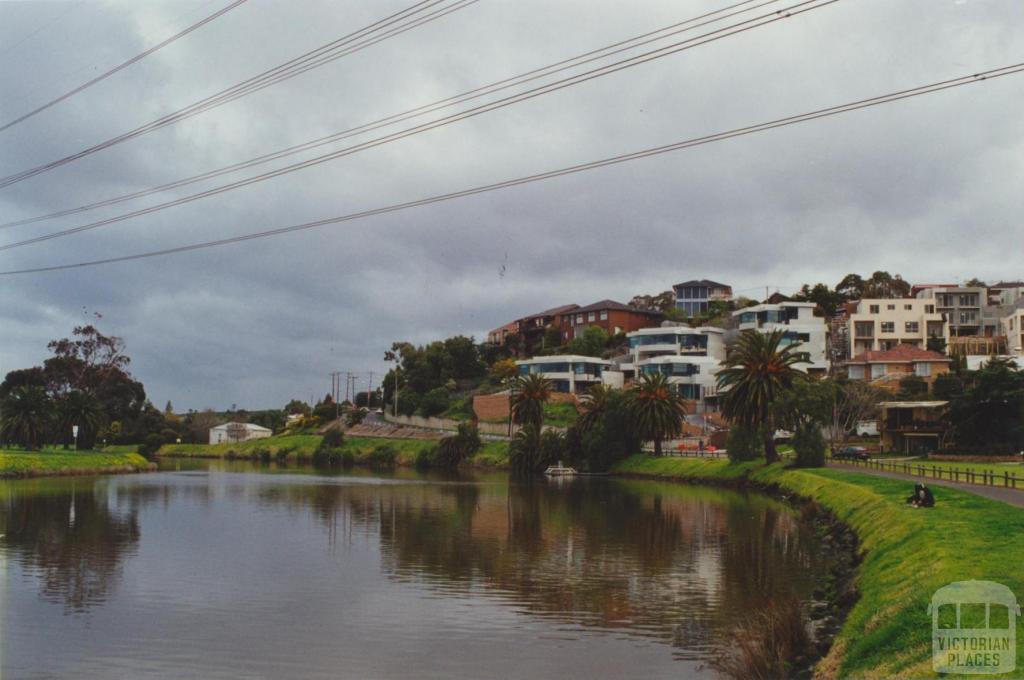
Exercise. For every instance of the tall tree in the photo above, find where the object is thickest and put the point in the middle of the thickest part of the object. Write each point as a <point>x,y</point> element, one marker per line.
<point>658,411</point>
<point>757,373</point>
<point>989,416</point>
<point>529,395</point>
<point>24,416</point>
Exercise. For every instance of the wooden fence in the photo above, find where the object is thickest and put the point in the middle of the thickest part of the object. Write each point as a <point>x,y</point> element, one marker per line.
<point>980,477</point>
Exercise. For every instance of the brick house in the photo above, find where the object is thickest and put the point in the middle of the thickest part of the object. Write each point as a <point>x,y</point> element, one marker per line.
<point>887,367</point>
<point>613,317</point>
<point>529,330</point>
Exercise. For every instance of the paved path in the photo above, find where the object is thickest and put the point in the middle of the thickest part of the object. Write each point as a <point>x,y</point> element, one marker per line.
<point>999,493</point>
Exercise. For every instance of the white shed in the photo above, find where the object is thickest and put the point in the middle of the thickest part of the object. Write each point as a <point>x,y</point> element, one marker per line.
<point>237,432</point>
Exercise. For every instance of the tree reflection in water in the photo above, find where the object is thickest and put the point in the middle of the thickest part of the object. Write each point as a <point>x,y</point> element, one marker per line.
<point>658,560</point>
<point>69,537</point>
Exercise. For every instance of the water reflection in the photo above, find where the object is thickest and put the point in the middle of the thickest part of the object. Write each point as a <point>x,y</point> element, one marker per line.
<point>667,564</point>
<point>68,536</point>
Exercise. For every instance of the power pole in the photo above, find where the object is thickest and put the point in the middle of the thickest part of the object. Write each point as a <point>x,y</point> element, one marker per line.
<point>369,391</point>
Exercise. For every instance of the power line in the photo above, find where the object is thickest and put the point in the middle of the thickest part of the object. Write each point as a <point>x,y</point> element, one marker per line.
<point>645,153</point>
<point>718,34</point>
<point>313,59</point>
<point>475,93</point>
<point>181,34</point>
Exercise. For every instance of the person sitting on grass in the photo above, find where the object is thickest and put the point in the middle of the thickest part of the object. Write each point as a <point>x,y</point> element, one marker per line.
<point>922,497</point>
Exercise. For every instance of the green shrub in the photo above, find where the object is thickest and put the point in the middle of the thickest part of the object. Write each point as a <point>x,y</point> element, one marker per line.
<point>283,453</point>
<point>382,456</point>
<point>426,458</point>
<point>354,417</point>
<point>151,444</point>
<point>435,402</point>
<point>261,453</point>
<point>348,459</point>
<point>809,445</point>
<point>744,444</point>
<point>333,438</point>
<point>408,402</point>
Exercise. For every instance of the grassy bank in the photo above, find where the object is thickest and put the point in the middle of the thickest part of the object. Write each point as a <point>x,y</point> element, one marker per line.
<point>301,447</point>
<point>909,554</point>
<point>14,463</point>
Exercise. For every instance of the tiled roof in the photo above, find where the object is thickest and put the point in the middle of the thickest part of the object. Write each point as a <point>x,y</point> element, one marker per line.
<point>701,282</point>
<point>615,306</point>
<point>899,354</point>
<point>554,311</point>
<point>1008,284</point>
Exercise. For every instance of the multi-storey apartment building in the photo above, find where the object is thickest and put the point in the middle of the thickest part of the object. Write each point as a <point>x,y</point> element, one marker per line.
<point>567,372</point>
<point>967,309</point>
<point>613,317</point>
<point>1013,329</point>
<point>881,324</point>
<point>800,325</point>
<point>887,367</point>
<point>692,297</point>
<point>530,330</point>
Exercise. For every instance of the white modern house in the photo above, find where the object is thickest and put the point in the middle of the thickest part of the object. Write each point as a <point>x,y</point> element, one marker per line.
<point>884,324</point>
<point>682,340</point>
<point>568,372</point>
<point>800,325</point>
<point>689,357</point>
<point>695,377</point>
<point>237,432</point>
<point>1013,329</point>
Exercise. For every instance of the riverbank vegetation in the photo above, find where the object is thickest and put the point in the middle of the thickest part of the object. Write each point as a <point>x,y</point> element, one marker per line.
<point>907,553</point>
<point>21,463</point>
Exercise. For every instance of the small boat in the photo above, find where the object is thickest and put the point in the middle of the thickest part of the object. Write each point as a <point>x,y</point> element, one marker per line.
<point>560,470</point>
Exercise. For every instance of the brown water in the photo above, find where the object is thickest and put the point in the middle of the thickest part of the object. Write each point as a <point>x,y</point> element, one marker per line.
<point>228,570</point>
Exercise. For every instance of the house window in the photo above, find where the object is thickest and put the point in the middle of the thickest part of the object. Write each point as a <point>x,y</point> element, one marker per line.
<point>604,316</point>
<point>890,307</point>
<point>908,307</point>
<point>873,309</point>
<point>591,316</point>
<point>888,326</point>
<point>856,372</point>
<point>929,309</point>
<point>912,327</point>
<point>877,370</point>
<point>579,318</point>
<point>922,369</point>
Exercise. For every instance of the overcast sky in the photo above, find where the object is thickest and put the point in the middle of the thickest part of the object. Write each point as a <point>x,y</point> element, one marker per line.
<point>930,188</point>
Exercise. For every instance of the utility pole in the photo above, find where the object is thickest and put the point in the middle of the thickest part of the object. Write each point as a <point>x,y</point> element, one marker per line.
<point>335,392</point>
<point>369,391</point>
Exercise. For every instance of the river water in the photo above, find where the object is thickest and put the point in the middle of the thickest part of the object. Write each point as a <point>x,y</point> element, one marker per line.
<point>233,570</point>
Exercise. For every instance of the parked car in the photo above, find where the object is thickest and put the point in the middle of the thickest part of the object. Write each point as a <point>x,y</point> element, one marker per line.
<point>851,453</point>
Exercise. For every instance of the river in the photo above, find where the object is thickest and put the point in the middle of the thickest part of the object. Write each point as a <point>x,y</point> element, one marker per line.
<point>235,570</point>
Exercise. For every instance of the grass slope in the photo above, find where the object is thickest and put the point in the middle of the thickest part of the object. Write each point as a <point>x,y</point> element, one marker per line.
<point>15,463</point>
<point>909,554</point>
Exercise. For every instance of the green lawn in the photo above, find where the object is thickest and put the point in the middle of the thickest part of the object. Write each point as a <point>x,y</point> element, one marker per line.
<point>15,463</point>
<point>302,447</point>
<point>909,554</point>
<point>935,468</point>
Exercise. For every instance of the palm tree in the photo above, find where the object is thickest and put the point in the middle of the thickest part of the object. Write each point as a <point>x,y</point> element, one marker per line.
<point>85,411</point>
<point>529,394</point>
<point>757,372</point>
<point>524,450</point>
<point>658,411</point>
<point>595,404</point>
<point>25,414</point>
